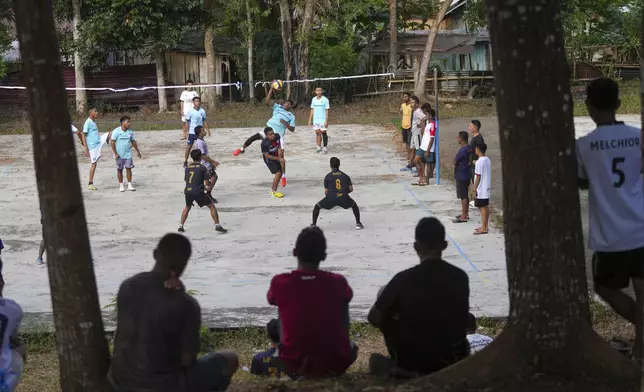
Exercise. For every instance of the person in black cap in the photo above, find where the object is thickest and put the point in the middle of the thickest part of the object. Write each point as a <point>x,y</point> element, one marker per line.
<point>267,363</point>
<point>423,311</point>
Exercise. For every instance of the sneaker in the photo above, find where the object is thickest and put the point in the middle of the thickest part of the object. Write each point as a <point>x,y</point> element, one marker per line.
<point>318,150</point>
<point>283,182</point>
<point>130,187</point>
<point>359,226</point>
<point>39,261</point>
<point>181,229</point>
<point>324,150</point>
<point>91,187</point>
<point>278,195</point>
<point>220,229</point>
<point>121,188</point>
<point>237,152</point>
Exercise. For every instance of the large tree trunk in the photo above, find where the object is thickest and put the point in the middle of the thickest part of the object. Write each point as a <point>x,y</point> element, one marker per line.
<point>287,39</point>
<point>393,34</point>
<point>163,99</point>
<point>82,347</point>
<point>79,70</point>
<point>548,330</point>
<point>209,94</point>
<point>642,82</point>
<point>250,41</point>
<point>427,55</point>
<point>305,36</point>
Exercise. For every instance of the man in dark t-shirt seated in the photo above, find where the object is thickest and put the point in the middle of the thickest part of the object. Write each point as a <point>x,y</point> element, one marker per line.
<point>313,307</point>
<point>157,335</point>
<point>268,363</point>
<point>423,311</point>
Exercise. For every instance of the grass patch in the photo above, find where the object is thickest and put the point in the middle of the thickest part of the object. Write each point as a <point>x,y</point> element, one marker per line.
<point>629,93</point>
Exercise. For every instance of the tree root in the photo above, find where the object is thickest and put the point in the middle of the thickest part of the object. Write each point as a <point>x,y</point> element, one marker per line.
<point>510,363</point>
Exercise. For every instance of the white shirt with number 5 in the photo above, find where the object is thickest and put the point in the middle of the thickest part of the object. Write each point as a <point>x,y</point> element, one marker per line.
<point>610,158</point>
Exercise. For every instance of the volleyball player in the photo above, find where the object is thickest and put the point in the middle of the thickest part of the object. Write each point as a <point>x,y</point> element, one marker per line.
<point>610,167</point>
<point>273,158</point>
<point>337,187</point>
<point>319,119</point>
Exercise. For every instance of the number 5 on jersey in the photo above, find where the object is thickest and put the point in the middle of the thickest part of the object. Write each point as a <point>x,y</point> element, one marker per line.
<point>618,172</point>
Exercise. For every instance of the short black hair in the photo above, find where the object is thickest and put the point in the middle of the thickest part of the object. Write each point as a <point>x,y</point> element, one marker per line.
<point>310,246</point>
<point>407,94</point>
<point>603,94</point>
<point>196,98</point>
<point>426,107</point>
<point>463,135</point>
<point>335,163</point>
<point>124,119</point>
<point>273,330</point>
<point>189,81</point>
<point>92,109</point>
<point>482,147</point>
<point>477,124</point>
<point>195,155</point>
<point>175,250</point>
<point>267,130</point>
<point>471,322</point>
<point>430,234</point>
<point>414,98</point>
<point>432,113</point>
<point>289,101</point>
<point>198,129</point>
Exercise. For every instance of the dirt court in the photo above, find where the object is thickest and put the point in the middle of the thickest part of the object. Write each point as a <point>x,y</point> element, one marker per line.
<point>231,273</point>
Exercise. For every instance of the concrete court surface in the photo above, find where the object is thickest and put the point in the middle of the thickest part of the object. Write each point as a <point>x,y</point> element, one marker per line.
<point>232,272</point>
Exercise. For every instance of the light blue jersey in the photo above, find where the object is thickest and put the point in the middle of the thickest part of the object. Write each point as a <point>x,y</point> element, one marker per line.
<point>279,113</point>
<point>123,140</point>
<point>195,117</point>
<point>91,134</point>
<point>319,106</point>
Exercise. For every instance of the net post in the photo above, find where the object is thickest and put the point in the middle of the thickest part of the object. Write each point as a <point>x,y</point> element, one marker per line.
<point>438,159</point>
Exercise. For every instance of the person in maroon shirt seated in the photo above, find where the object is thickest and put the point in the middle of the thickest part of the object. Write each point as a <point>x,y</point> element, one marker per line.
<point>313,308</point>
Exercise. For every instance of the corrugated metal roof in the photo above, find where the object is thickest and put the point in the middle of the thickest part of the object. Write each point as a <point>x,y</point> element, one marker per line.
<point>194,43</point>
<point>415,44</point>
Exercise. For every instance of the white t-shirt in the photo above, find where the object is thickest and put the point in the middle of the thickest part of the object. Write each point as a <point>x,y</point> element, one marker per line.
<point>418,117</point>
<point>610,158</point>
<point>428,135</point>
<point>483,167</point>
<point>10,317</point>
<point>74,129</point>
<point>478,342</point>
<point>186,98</point>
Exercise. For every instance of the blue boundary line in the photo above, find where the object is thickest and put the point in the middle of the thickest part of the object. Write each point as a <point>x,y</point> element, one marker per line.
<point>421,205</point>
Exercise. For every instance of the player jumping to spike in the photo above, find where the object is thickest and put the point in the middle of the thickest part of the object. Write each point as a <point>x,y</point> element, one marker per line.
<point>273,158</point>
<point>337,187</point>
<point>281,120</point>
<point>196,181</point>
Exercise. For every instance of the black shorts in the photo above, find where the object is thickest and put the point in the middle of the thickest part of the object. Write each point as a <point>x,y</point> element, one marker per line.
<point>614,270</point>
<point>201,198</point>
<point>406,136</point>
<point>332,201</point>
<point>462,189</point>
<point>274,166</point>
<point>481,203</point>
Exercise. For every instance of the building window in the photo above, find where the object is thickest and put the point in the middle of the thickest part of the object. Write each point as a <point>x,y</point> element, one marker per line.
<point>120,58</point>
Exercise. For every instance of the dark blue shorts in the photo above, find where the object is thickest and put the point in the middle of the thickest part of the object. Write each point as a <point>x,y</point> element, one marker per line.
<point>191,138</point>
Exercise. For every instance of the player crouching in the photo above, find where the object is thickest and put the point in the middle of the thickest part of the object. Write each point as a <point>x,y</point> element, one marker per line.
<point>197,177</point>
<point>337,187</point>
<point>272,154</point>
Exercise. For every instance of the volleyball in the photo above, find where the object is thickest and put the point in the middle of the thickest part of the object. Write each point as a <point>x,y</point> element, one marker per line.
<point>277,84</point>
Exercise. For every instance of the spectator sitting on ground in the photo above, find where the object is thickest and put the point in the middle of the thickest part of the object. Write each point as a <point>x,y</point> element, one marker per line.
<point>313,307</point>
<point>267,363</point>
<point>476,341</point>
<point>13,352</point>
<point>422,312</point>
<point>157,335</point>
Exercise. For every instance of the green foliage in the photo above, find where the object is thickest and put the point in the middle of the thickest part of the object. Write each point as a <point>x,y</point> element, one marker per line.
<point>475,15</point>
<point>268,58</point>
<point>333,60</point>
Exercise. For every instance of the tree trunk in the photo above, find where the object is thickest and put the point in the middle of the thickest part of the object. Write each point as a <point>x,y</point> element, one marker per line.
<point>393,34</point>
<point>548,330</point>
<point>79,70</point>
<point>250,40</point>
<point>287,39</point>
<point>427,55</point>
<point>209,94</point>
<point>305,36</point>
<point>163,99</point>
<point>642,81</point>
<point>82,347</point>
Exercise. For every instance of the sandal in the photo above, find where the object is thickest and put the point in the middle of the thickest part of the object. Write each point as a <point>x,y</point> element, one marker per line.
<point>480,232</point>
<point>459,220</point>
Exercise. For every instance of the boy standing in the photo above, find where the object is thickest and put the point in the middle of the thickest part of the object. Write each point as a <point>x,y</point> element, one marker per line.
<point>209,163</point>
<point>319,119</point>
<point>425,154</point>
<point>196,117</point>
<point>91,140</point>
<point>417,125</point>
<point>482,184</point>
<point>476,140</point>
<point>462,176</point>
<point>610,167</point>
<point>122,141</point>
<point>337,187</point>
<point>406,110</point>
<point>196,177</point>
<point>313,307</point>
<point>186,104</point>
